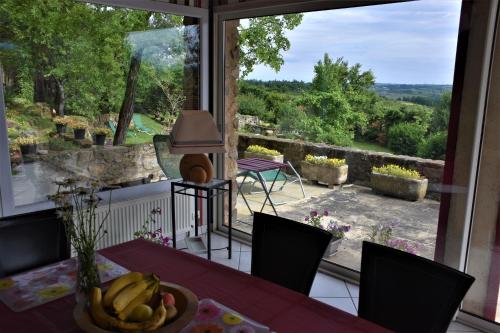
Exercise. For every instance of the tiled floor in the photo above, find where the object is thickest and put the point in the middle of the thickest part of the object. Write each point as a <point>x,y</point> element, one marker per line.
<point>332,291</point>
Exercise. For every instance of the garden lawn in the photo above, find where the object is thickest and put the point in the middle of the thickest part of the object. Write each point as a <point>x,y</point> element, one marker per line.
<point>139,137</point>
<point>371,147</point>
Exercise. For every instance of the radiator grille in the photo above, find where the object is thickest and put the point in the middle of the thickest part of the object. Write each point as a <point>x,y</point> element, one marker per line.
<point>126,217</point>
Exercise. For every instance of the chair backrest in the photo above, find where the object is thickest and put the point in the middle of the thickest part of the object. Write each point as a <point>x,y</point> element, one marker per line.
<point>168,163</point>
<point>407,293</point>
<point>31,240</point>
<point>287,252</point>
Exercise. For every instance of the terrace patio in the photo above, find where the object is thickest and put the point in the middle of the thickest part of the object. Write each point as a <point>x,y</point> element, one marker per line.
<point>356,206</point>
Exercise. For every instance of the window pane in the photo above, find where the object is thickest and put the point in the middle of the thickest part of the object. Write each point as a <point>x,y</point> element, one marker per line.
<point>367,87</point>
<point>86,89</point>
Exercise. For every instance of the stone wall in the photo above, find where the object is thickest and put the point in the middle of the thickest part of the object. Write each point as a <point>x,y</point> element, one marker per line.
<point>111,164</point>
<point>360,161</point>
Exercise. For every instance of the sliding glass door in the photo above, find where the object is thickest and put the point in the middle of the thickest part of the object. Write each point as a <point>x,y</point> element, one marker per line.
<point>85,88</point>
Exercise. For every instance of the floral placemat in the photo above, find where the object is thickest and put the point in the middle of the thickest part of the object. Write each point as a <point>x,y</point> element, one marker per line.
<point>213,317</point>
<point>26,290</point>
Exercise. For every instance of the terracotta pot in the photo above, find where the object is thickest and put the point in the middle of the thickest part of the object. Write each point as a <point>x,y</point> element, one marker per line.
<point>404,188</point>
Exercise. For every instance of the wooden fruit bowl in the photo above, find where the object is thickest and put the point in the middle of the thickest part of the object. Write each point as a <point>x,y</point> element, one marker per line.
<point>185,301</point>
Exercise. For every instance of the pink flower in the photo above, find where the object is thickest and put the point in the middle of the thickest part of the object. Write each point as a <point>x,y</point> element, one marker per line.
<point>207,311</point>
<point>306,218</point>
<point>314,213</point>
<point>325,213</point>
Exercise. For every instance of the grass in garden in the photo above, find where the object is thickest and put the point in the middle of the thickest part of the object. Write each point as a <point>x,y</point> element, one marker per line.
<point>141,137</point>
<point>371,147</point>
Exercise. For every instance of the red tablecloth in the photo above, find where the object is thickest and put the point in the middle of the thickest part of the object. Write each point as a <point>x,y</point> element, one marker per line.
<point>281,309</point>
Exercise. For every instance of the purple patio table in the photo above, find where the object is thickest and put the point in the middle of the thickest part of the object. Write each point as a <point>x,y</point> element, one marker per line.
<point>257,166</point>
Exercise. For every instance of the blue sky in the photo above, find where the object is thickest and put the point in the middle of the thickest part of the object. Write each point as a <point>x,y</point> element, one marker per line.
<point>412,42</point>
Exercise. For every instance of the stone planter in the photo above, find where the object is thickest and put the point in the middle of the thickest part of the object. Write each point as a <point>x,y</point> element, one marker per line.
<point>60,128</point>
<point>324,173</point>
<point>79,133</point>
<point>332,247</point>
<point>404,188</point>
<point>29,149</point>
<point>277,158</point>
<point>100,139</point>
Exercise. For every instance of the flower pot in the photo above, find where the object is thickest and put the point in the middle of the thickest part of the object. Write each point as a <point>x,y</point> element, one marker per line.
<point>332,175</point>
<point>29,149</point>
<point>79,133</point>
<point>404,188</point>
<point>324,173</point>
<point>309,171</point>
<point>100,139</point>
<point>277,158</point>
<point>60,128</point>
<point>332,247</point>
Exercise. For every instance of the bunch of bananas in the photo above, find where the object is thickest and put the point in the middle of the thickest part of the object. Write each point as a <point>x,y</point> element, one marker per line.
<point>127,305</point>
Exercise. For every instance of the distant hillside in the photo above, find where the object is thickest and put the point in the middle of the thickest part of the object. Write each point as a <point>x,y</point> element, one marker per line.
<point>425,94</point>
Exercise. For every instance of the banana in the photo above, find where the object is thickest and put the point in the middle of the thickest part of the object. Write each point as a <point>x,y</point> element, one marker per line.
<point>158,319</point>
<point>119,284</point>
<point>108,322</point>
<point>130,292</point>
<point>100,316</point>
<point>142,298</point>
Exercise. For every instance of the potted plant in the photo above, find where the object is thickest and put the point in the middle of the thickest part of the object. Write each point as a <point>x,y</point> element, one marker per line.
<point>264,153</point>
<point>331,225</point>
<point>61,123</point>
<point>79,129</point>
<point>100,134</point>
<point>330,171</point>
<point>399,182</point>
<point>382,234</point>
<point>28,145</point>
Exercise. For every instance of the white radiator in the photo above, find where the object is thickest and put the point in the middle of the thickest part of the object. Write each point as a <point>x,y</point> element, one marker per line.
<point>126,217</point>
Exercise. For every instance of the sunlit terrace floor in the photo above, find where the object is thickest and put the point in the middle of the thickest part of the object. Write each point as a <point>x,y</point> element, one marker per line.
<point>357,206</point>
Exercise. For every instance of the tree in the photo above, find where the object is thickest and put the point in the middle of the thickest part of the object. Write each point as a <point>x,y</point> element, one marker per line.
<point>263,40</point>
<point>441,115</point>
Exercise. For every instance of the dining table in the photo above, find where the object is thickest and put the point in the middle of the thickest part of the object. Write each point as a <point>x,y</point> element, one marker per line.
<point>269,304</point>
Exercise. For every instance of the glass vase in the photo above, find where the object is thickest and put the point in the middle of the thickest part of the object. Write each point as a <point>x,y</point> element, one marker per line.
<point>87,275</point>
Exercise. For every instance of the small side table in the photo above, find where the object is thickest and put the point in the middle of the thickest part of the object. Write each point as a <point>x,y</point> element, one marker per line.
<point>212,189</point>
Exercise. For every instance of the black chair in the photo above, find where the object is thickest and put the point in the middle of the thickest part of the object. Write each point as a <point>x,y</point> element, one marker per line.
<point>31,240</point>
<point>286,252</point>
<point>406,293</point>
<point>168,163</point>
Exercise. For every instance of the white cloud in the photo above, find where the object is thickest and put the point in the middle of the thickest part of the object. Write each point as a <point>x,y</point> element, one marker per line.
<point>412,42</point>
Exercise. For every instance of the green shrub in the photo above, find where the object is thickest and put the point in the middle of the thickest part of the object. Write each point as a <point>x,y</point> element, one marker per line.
<point>323,160</point>
<point>253,106</point>
<point>59,144</point>
<point>434,146</point>
<point>12,133</point>
<point>396,170</point>
<point>404,138</point>
<point>262,150</point>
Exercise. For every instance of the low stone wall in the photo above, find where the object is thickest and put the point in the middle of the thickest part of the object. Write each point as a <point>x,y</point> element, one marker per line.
<point>111,164</point>
<point>360,161</point>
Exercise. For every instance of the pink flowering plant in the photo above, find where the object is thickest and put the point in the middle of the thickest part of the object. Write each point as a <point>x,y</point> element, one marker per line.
<point>150,232</point>
<point>321,221</point>
<point>382,234</point>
